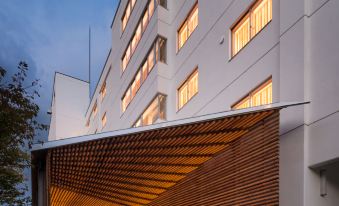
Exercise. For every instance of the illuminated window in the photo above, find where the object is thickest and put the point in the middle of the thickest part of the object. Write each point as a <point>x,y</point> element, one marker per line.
<point>140,29</point>
<point>189,25</point>
<point>188,89</point>
<point>158,49</point>
<point>103,91</point>
<point>255,19</point>
<point>260,96</point>
<point>150,60</point>
<point>88,122</point>
<point>155,111</point>
<point>126,100</point>
<point>127,13</point>
<point>104,120</point>
<point>95,109</point>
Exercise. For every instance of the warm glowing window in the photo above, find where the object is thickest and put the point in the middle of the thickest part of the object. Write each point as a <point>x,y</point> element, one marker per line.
<point>95,109</point>
<point>126,99</point>
<point>158,49</point>
<point>104,120</point>
<point>140,29</point>
<point>189,25</point>
<point>103,91</point>
<point>151,8</point>
<point>150,60</point>
<point>144,71</point>
<point>255,19</point>
<point>155,111</point>
<point>88,122</point>
<point>260,96</point>
<point>188,89</point>
<point>127,13</point>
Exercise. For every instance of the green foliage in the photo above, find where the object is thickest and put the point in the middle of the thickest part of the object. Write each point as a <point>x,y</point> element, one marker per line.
<point>18,127</point>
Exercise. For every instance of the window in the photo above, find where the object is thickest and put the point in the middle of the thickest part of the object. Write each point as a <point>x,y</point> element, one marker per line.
<point>188,89</point>
<point>163,3</point>
<point>144,70</point>
<point>260,96</point>
<point>104,120</point>
<point>189,25</point>
<point>155,111</point>
<point>254,20</point>
<point>126,100</point>
<point>95,109</point>
<point>127,13</point>
<point>103,91</point>
<point>140,29</point>
<point>88,122</point>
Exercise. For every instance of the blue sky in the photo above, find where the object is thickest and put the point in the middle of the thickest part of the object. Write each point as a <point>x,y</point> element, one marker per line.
<point>52,35</point>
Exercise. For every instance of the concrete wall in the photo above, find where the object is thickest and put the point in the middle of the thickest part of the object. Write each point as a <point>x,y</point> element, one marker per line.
<point>70,101</point>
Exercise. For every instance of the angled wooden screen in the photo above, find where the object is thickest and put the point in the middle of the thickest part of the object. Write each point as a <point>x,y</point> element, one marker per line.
<point>226,161</point>
<point>244,173</point>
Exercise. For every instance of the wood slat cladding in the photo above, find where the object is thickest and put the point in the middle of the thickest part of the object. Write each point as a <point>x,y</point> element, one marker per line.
<point>226,161</point>
<point>244,173</point>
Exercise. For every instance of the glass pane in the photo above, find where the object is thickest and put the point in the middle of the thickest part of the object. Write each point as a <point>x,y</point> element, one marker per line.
<point>138,33</point>
<point>137,123</point>
<point>124,22</point>
<point>162,46</point>
<point>157,55</point>
<point>151,8</point>
<point>193,85</point>
<point>151,60</point>
<point>193,21</point>
<point>138,80</point>
<point>124,63</point>
<point>261,15</point>
<point>183,95</point>
<point>182,35</point>
<point>144,71</point>
<point>104,120</point>
<point>103,91</point>
<point>128,11</point>
<point>151,113</point>
<point>163,3</point>
<point>162,107</point>
<point>134,89</point>
<point>263,95</point>
<point>134,43</point>
<point>245,103</point>
<point>145,21</point>
<point>133,2</point>
<point>126,100</point>
<point>241,34</point>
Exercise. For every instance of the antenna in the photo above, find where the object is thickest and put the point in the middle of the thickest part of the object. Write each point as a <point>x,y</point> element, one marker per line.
<point>89,61</point>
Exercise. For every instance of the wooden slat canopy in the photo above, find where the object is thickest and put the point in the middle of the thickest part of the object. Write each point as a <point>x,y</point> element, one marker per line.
<point>139,168</point>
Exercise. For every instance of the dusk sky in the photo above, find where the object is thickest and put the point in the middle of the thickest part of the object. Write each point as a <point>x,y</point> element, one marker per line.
<point>52,35</point>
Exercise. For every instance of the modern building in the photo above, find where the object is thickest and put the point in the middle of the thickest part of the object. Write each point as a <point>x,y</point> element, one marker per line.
<point>177,66</point>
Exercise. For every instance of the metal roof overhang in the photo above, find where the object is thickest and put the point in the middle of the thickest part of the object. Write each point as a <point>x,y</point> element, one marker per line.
<point>134,166</point>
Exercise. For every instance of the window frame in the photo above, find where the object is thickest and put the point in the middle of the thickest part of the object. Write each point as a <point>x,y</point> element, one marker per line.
<point>185,22</point>
<point>248,12</point>
<point>186,82</point>
<point>129,4</point>
<point>95,109</point>
<point>143,29</point>
<point>156,97</point>
<point>104,120</point>
<point>103,91</point>
<point>250,94</point>
<point>140,69</point>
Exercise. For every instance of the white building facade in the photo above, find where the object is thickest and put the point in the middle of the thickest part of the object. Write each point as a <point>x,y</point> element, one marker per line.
<point>176,59</point>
